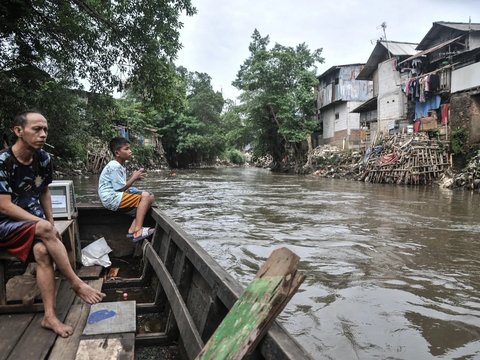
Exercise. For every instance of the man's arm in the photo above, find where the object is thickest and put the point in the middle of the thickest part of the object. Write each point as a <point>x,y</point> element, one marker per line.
<point>46,202</point>
<point>13,211</point>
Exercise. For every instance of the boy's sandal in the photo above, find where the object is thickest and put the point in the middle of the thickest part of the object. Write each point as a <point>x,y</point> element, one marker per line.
<point>146,233</point>
<point>132,234</point>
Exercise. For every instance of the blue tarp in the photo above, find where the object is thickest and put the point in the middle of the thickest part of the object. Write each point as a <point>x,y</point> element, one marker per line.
<point>422,108</point>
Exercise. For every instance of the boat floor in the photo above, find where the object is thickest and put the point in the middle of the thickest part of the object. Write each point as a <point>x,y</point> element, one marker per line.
<point>22,336</point>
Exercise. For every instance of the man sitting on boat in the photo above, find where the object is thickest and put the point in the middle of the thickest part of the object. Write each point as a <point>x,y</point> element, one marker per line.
<point>27,228</point>
<point>117,193</point>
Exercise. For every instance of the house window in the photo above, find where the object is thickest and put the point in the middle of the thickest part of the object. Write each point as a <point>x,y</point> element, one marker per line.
<point>337,116</point>
<point>336,81</point>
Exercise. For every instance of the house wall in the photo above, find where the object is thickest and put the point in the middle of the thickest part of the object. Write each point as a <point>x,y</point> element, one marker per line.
<point>466,77</point>
<point>465,114</point>
<point>474,40</point>
<point>391,103</point>
<point>368,116</point>
<point>344,130</point>
<point>375,83</point>
<point>328,119</point>
<point>347,95</point>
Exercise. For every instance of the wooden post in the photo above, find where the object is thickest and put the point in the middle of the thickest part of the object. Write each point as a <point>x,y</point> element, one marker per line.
<point>250,317</point>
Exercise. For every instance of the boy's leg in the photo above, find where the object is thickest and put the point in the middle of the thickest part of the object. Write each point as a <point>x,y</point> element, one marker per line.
<point>133,226</point>
<point>136,205</point>
<point>145,203</point>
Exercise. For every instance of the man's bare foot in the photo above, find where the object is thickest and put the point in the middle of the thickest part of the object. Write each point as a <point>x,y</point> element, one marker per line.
<point>88,294</point>
<point>57,326</point>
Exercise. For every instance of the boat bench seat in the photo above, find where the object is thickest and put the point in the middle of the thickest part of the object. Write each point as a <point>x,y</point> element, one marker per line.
<point>66,229</point>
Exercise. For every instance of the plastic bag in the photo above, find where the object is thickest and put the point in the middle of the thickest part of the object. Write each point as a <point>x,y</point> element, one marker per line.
<point>96,253</point>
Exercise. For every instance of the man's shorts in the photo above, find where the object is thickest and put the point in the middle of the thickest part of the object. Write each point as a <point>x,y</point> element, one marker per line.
<point>17,238</point>
<point>129,203</point>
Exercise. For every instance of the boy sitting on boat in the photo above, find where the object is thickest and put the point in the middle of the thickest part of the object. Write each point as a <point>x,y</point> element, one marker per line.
<point>117,193</point>
<point>27,228</point>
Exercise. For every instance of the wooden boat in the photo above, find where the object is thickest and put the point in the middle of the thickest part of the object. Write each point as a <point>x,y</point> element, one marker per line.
<point>178,285</point>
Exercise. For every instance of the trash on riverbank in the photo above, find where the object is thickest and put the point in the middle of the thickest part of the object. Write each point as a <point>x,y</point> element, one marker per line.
<point>401,159</point>
<point>468,178</point>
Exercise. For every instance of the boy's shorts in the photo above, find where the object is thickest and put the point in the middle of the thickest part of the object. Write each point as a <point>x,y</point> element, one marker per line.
<point>17,238</point>
<point>129,203</point>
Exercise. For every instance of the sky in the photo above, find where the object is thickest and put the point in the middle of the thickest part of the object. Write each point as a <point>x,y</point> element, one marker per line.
<point>216,39</point>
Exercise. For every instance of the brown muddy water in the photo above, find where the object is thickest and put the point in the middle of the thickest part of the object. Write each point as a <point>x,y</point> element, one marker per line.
<point>393,272</point>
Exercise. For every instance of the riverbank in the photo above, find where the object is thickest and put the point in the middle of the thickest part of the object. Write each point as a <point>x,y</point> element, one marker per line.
<point>402,159</point>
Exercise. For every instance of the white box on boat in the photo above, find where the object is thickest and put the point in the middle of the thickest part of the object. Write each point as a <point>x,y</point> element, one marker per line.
<point>63,199</point>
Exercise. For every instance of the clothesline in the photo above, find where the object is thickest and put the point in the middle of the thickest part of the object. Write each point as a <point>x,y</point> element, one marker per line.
<point>432,72</point>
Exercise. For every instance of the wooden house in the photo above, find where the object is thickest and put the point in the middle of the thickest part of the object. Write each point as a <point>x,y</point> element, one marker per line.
<point>449,55</point>
<point>451,51</point>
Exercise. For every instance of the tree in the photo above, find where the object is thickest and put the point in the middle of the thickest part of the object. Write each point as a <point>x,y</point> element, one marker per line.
<point>278,97</point>
<point>95,40</point>
<point>194,136</point>
<point>237,133</point>
<point>49,44</point>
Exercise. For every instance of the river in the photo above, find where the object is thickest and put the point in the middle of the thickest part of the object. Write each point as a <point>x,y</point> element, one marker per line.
<point>393,272</point>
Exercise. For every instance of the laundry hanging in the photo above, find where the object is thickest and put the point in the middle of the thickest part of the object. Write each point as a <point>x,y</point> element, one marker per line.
<point>422,108</point>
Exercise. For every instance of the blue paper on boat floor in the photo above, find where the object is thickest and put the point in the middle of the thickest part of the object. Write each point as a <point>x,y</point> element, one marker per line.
<point>111,318</point>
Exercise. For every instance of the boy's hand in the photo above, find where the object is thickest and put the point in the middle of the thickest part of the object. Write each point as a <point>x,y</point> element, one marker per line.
<point>139,174</point>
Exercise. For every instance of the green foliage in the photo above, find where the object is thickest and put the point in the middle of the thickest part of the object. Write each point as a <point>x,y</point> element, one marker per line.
<point>195,135</point>
<point>67,129</point>
<point>73,116</point>
<point>459,141</point>
<point>235,156</point>
<point>134,114</point>
<point>48,48</point>
<point>278,95</point>
<point>91,39</point>
<point>142,154</point>
<point>100,113</point>
<point>238,134</point>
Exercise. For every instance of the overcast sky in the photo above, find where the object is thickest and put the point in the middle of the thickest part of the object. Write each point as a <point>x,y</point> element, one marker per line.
<point>216,39</point>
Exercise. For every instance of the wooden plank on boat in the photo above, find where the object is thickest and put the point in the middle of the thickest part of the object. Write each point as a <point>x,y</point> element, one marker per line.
<point>201,260</point>
<point>111,318</point>
<point>36,341</point>
<point>186,325</point>
<point>24,287</point>
<point>264,298</point>
<point>12,327</point>
<point>90,272</point>
<point>66,348</point>
<point>277,344</point>
<point>63,225</point>
<point>107,347</point>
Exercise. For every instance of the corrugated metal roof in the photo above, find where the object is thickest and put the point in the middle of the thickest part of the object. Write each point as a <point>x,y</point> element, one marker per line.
<point>399,48</point>
<point>380,54</point>
<point>337,67</point>
<point>437,27</point>
<point>370,104</point>
<point>432,49</point>
<point>460,26</point>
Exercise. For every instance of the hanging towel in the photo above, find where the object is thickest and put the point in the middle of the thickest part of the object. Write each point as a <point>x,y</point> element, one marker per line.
<point>444,113</point>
